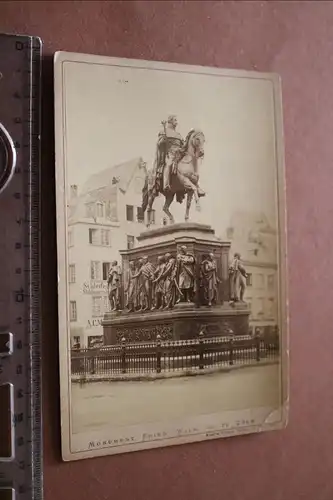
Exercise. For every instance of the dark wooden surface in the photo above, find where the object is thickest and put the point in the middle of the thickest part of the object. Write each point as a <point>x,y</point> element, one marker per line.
<point>294,39</point>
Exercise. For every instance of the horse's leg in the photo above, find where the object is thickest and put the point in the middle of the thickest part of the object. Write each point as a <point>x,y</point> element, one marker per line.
<point>196,197</point>
<point>168,201</point>
<point>192,190</point>
<point>151,198</point>
<point>188,204</point>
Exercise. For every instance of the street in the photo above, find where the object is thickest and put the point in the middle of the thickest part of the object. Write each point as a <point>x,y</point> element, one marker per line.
<point>104,404</point>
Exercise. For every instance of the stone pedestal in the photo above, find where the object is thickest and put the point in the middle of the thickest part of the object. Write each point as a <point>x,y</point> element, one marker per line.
<point>176,324</point>
<point>185,320</point>
<point>199,239</point>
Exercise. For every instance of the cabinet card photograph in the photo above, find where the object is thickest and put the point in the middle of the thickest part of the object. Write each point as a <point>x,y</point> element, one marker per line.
<point>171,237</point>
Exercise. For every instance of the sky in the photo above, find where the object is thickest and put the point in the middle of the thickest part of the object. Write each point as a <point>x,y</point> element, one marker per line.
<point>113,114</point>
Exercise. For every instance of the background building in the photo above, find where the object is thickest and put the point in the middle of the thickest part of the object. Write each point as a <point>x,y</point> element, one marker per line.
<point>104,216</point>
<point>256,240</point>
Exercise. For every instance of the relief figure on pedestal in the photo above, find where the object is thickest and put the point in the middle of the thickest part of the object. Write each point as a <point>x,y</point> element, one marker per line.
<point>209,280</point>
<point>145,276</point>
<point>169,278</point>
<point>185,275</point>
<point>114,284</point>
<point>138,284</point>
<point>132,288</point>
<point>237,276</point>
<point>158,284</point>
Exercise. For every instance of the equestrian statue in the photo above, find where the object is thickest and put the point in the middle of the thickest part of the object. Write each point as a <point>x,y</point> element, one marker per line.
<point>175,170</point>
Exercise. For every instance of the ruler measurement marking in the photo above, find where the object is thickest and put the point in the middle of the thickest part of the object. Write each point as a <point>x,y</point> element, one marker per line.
<point>24,124</point>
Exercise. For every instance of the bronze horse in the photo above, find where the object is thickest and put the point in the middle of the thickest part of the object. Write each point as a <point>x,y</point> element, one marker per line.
<point>184,179</point>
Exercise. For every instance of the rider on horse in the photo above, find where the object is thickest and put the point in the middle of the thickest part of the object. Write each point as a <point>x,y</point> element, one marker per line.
<point>169,144</point>
<point>175,169</point>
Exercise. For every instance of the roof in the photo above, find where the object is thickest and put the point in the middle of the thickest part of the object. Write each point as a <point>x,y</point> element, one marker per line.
<point>120,175</point>
<point>102,187</point>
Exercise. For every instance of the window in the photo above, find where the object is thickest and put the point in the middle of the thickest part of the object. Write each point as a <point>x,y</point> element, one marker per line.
<point>76,342</point>
<point>71,273</point>
<point>270,308</point>
<point>95,341</point>
<point>72,311</point>
<point>270,281</point>
<point>99,209</point>
<point>130,242</point>
<point>130,213</point>
<point>90,210</point>
<point>95,273</point>
<point>249,279</point>
<point>105,270</point>
<point>105,237</point>
<point>111,210</point>
<point>106,304</point>
<point>152,216</point>
<point>96,306</point>
<point>93,236</point>
<point>140,214</point>
<point>260,281</point>
<point>70,238</point>
<point>259,306</point>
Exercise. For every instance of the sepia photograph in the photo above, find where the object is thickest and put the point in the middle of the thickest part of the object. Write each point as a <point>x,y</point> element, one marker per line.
<point>171,236</point>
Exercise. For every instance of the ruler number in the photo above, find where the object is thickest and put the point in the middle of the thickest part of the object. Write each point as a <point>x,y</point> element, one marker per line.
<point>19,297</point>
<point>19,344</point>
<point>18,418</point>
<point>19,46</point>
<point>21,489</point>
<point>20,441</point>
<point>20,393</point>
<point>17,120</point>
<point>1,369</point>
<point>21,464</point>
<point>19,370</point>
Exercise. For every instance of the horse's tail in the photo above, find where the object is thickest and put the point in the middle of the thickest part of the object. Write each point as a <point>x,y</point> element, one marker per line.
<point>145,193</point>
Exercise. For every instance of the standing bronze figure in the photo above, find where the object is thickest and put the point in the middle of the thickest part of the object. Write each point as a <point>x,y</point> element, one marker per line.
<point>114,284</point>
<point>209,280</point>
<point>145,276</point>
<point>237,276</point>
<point>186,275</point>
<point>158,283</point>
<point>131,288</point>
<point>169,277</point>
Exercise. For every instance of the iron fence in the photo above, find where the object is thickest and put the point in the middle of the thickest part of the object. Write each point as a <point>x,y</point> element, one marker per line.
<point>173,356</point>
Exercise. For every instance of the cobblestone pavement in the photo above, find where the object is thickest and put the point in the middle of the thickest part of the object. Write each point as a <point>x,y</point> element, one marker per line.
<point>103,404</point>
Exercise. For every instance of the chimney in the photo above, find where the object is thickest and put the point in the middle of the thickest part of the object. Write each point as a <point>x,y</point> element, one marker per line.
<point>73,191</point>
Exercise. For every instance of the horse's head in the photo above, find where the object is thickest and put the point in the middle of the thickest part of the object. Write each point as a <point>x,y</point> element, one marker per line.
<point>195,142</point>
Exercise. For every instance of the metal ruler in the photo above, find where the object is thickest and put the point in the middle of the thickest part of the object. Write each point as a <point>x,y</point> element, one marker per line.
<point>20,385</point>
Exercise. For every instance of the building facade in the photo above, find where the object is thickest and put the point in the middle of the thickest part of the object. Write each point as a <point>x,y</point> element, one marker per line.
<point>104,217</point>
<point>256,240</point>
